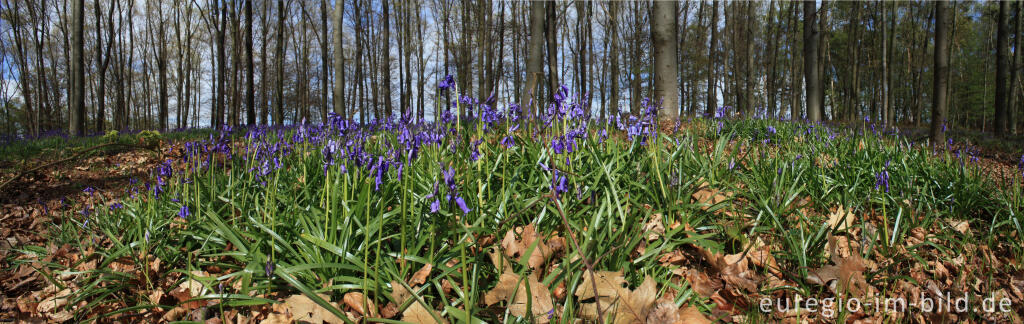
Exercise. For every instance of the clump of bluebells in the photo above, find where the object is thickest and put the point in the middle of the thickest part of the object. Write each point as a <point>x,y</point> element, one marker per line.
<point>308,181</point>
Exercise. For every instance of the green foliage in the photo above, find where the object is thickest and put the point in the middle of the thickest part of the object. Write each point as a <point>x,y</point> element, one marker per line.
<point>306,228</point>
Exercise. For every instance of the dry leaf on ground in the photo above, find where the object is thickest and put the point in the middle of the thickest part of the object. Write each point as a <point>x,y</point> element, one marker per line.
<point>733,268</point>
<point>841,219</point>
<point>302,308</point>
<point>691,315</point>
<point>517,292</point>
<point>420,277</point>
<point>848,274</point>
<point>416,312</point>
<point>360,303</point>
<point>528,237</point>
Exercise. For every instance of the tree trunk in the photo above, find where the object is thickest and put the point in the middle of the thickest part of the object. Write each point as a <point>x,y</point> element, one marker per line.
<point>613,66</point>
<point>811,77</point>
<point>794,77</point>
<point>938,126</point>
<point>666,82</point>
<point>712,58</point>
<point>279,87</point>
<point>250,83</point>
<point>386,59</point>
<point>773,51</point>
<point>534,59</point>
<point>1002,70</point>
<point>77,98</point>
<point>339,59</point>
<point>748,60</point>
<point>551,32</point>
<point>1015,76</point>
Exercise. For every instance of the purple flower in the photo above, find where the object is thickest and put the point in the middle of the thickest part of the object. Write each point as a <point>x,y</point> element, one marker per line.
<point>446,83</point>
<point>558,186</point>
<point>89,190</point>
<point>882,180</point>
<point>435,206</point>
<point>116,206</point>
<point>771,129</point>
<point>268,268</point>
<point>462,205</point>
<point>183,212</point>
<point>508,141</point>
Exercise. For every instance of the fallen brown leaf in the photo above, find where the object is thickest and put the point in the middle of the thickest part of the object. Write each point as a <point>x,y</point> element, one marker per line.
<point>420,277</point>
<point>355,300</point>
<point>302,308</point>
<point>517,292</point>
<point>691,315</point>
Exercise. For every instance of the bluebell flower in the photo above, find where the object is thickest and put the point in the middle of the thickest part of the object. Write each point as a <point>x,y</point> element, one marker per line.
<point>435,205</point>
<point>882,180</point>
<point>183,212</point>
<point>89,190</point>
<point>268,268</point>
<point>462,205</point>
<point>446,83</point>
<point>508,141</point>
<point>474,153</point>
<point>558,184</point>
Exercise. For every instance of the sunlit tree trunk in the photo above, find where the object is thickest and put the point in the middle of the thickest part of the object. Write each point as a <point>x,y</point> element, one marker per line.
<point>666,82</point>
<point>811,77</point>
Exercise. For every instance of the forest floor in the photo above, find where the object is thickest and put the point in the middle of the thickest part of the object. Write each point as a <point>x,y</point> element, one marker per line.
<point>35,202</point>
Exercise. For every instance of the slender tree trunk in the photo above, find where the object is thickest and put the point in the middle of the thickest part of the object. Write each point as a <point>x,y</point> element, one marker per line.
<point>748,60</point>
<point>772,52</point>
<point>77,98</point>
<point>712,62</point>
<point>666,82</point>
<point>221,66</point>
<point>279,87</point>
<point>386,60</point>
<point>794,75</point>
<point>941,77</point>
<point>250,82</point>
<point>811,76</point>
<point>534,59</point>
<point>421,65</point>
<point>1018,72</point>
<point>264,105</point>
<point>1002,70</point>
<point>339,59</point>
<point>102,58</point>
<point>551,32</point>
<point>613,66</point>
